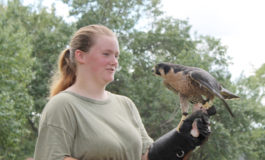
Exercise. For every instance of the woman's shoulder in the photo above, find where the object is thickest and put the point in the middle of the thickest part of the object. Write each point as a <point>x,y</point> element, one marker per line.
<point>58,103</point>
<point>126,102</point>
<point>122,98</point>
<point>61,98</point>
<point>58,112</point>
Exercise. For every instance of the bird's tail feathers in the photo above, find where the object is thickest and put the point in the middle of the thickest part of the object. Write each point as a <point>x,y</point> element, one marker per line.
<point>228,108</point>
<point>223,100</point>
<point>227,94</point>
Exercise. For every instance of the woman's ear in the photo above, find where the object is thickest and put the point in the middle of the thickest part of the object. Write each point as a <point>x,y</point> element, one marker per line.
<point>80,56</point>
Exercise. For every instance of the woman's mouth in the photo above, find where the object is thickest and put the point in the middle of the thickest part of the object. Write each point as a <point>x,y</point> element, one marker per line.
<point>111,69</point>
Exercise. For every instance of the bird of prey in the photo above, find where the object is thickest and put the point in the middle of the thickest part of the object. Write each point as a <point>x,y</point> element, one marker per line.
<point>193,85</point>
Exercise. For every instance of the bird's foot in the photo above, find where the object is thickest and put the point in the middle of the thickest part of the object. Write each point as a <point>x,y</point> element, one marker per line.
<point>209,108</point>
<point>207,105</point>
<point>181,121</point>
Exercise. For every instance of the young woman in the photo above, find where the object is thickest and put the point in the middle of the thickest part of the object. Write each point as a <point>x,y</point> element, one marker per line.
<point>84,121</point>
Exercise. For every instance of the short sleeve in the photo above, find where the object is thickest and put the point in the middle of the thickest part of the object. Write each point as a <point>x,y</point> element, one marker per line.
<point>146,140</point>
<point>56,130</point>
<point>53,143</point>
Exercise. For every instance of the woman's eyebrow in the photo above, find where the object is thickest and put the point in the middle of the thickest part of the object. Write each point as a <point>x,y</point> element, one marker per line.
<point>110,50</point>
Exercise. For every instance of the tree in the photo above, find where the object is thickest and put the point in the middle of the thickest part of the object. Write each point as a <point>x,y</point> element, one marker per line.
<point>121,16</point>
<point>252,88</point>
<point>51,36</point>
<point>16,74</point>
<point>40,36</point>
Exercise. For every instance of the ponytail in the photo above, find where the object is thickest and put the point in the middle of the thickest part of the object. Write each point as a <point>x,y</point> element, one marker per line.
<point>65,75</point>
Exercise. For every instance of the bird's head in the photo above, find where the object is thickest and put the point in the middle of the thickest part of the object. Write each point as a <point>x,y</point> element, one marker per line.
<point>161,69</point>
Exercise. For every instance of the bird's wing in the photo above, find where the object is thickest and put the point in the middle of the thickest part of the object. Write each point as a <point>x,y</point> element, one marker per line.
<point>227,94</point>
<point>206,80</point>
<point>209,82</point>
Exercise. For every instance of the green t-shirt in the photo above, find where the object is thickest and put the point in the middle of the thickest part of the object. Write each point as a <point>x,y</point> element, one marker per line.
<point>89,129</point>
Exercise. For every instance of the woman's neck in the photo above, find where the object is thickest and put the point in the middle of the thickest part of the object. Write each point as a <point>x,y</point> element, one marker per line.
<point>86,89</point>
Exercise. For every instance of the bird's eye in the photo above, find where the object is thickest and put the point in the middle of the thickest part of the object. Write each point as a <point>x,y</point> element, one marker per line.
<point>157,72</point>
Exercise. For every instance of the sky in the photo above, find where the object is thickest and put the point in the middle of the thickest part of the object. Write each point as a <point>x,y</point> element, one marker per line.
<point>239,24</point>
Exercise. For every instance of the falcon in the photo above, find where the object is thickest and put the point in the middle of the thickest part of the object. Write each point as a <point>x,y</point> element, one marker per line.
<point>193,85</point>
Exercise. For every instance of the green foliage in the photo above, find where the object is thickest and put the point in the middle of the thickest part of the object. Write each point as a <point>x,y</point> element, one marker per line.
<point>36,39</point>
<point>51,35</point>
<point>16,74</point>
<point>32,38</point>
<point>119,15</point>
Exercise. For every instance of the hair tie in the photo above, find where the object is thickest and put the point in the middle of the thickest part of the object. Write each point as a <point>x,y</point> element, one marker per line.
<point>67,53</point>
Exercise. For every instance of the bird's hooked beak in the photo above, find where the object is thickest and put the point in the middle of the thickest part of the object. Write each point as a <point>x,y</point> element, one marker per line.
<point>154,71</point>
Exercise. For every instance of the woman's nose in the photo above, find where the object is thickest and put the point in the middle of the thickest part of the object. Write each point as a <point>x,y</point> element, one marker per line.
<point>114,60</point>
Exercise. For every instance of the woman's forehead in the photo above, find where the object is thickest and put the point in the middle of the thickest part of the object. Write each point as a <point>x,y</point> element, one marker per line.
<point>107,43</point>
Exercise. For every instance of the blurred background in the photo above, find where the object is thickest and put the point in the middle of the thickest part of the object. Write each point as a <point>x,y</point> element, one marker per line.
<point>33,33</point>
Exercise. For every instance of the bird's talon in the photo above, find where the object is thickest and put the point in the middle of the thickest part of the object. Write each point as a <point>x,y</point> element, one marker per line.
<point>207,105</point>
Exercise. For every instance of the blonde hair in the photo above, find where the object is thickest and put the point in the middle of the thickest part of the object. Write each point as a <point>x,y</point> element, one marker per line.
<point>82,40</point>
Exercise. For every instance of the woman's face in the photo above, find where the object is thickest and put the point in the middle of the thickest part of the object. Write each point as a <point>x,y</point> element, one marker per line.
<point>101,61</point>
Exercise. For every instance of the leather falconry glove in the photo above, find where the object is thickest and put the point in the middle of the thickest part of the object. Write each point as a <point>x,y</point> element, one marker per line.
<point>175,145</point>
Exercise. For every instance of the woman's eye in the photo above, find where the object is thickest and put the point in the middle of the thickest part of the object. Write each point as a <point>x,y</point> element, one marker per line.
<point>105,54</point>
